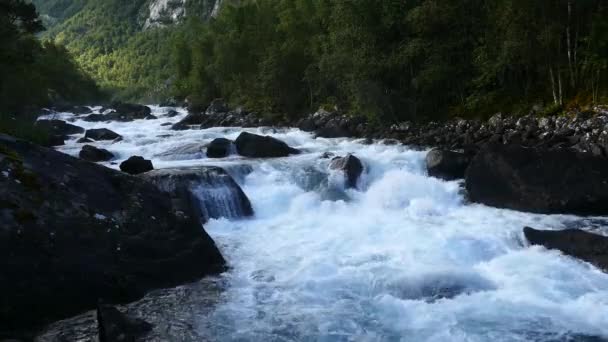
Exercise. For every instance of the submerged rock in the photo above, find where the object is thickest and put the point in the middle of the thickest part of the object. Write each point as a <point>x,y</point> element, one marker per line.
<point>136,165</point>
<point>73,232</point>
<point>258,146</point>
<point>187,151</point>
<point>212,188</point>
<point>101,134</point>
<point>538,180</point>
<point>580,244</point>
<point>351,166</point>
<point>219,148</point>
<point>115,326</point>
<point>447,165</point>
<point>94,154</point>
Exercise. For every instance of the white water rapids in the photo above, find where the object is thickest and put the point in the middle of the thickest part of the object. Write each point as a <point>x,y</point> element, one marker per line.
<point>403,258</point>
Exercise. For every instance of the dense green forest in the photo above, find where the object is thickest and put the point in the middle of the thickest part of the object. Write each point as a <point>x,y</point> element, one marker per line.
<point>389,60</point>
<point>34,73</point>
<point>109,41</point>
<point>394,60</point>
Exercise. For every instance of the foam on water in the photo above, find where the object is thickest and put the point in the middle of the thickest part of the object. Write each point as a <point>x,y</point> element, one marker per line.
<point>404,257</point>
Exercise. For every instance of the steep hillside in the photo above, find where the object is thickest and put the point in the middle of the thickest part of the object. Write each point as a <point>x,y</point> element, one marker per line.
<point>124,44</point>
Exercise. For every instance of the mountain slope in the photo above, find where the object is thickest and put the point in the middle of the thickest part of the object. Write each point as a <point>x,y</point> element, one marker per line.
<point>124,44</point>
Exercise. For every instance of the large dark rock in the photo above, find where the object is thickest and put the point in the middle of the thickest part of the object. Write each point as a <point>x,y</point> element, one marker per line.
<point>78,110</point>
<point>59,127</point>
<point>351,166</point>
<point>129,112</point>
<point>217,106</point>
<point>96,118</point>
<point>115,326</point>
<point>538,180</point>
<point>445,164</point>
<point>101,134</point>
<point>586,246</point>
<point>94,154</point>
<point>257,146</point>
<point>136,165</point>
<point>219,148</point>
<point>73,232</point>
<point>215,191</point>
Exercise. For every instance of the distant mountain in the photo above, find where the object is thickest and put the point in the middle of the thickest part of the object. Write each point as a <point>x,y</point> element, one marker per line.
<point>124,44</point>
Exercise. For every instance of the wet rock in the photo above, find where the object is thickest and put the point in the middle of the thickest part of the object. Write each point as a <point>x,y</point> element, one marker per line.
<point>96,118</point>
<point>129,112</point>
<point>580,244</point>
<point>115,326</point>
<point>56,140</point>
<point>187,151</point>
<point>94,154</point>
<point>136,165</point>
<point>73,232</point>
<point>84,140</point>
<point>172,113</point>
<point>447,165</point>
<point>214,191</point>
<point>78,110</point>
<point>217,106</point>
<point>59,127</point>
<point>101,134</point>
<point>219,148</point>
<point>166,124</point>
<point>257,146</point>
<point>539,180</point>
<point>351,166</point>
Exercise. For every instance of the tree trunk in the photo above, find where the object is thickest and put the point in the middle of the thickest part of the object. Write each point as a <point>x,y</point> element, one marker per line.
<point>552,77</point>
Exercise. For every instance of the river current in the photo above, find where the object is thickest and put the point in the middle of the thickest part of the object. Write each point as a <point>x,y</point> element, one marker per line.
<point>404,257</point>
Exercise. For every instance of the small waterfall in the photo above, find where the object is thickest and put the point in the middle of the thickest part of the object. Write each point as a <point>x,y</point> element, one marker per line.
<point>216,192</point>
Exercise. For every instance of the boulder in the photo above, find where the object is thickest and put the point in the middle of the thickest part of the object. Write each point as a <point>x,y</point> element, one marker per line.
<point>580,244</point>
<point>257,146</point>
<point>96,118</point>
<point>73,232</point>
<point>187,151</point>
<point>101,134</point>
<point>78,110</point>
<point>447,165</point>
<point>351,166</point>
<point>136,165</point>
<point>539,180</point>
<point>129,112</point>
<point>219,148</point>
<point>115,326</point>
<point>55,140</point>
<point>59,127</point>
<point>94,154</point>
<point>217,106</point>
<point>212,188</point>
<point>172,113</point>
<point>84,140</point>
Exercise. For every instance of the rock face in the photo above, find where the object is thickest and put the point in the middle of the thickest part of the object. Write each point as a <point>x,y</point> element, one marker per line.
<point>447,165</point>
<point>351,166</point>
<point>94,154</point>
<point>59,127</point>
<point>586,246</point>
<point>257,146</point>
<point>114,326</point>
<point>219,148</point>
<point>539,180</point>
<point>101,134</point>
<point>136,165</point>
<point>216,193</point>
<point>73,232</point>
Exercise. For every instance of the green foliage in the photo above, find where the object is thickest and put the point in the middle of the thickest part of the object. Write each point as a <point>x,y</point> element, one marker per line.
<point>34,73</point>
<point>394,60</point>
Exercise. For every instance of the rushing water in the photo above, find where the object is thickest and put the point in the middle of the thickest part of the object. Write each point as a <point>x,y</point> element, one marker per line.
<point>402,258</point>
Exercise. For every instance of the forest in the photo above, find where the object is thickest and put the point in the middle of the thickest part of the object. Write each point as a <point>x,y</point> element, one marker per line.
<point>34,73</point>
<point>397,60</point>
<point>389,60</point>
